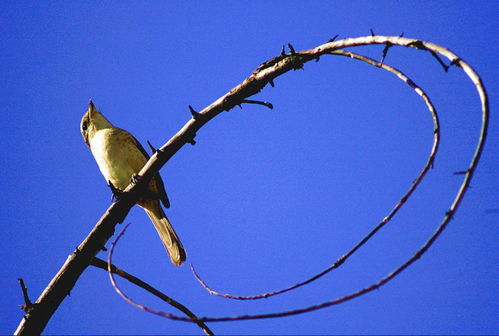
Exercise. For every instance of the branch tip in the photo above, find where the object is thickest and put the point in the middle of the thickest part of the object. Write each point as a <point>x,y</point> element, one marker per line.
<point>257,102</point>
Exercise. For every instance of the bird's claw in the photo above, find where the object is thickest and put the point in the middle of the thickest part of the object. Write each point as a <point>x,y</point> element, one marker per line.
<point>117,192</point>
<point>135,178</point>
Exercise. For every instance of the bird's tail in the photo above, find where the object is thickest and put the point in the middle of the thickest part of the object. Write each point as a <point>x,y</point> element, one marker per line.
<point>165,230</point>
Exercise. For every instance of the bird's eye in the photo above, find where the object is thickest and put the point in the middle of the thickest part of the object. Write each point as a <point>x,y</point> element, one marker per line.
<point>84,126</point>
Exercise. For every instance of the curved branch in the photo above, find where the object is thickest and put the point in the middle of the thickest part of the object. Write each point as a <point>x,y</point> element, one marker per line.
<point>331,48</point>
<point>35,321</point>
<point>398,205</point>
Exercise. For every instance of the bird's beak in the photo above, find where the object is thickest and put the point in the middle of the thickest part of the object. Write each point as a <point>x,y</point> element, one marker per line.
<point>91,107</point>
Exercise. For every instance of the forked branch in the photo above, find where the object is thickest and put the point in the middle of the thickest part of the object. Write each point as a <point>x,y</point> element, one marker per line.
<point>35,321</point>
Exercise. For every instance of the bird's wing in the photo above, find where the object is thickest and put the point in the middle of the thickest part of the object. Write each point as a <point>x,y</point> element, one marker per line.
<point>159,181</point>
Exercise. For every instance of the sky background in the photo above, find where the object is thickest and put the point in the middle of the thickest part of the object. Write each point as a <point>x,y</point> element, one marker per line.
<point>266,198</point>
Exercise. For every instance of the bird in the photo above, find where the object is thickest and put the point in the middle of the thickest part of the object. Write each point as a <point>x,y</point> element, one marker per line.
<point>120,158</point>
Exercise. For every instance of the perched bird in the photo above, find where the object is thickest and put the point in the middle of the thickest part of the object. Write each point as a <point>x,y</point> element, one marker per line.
<point>120,157</point>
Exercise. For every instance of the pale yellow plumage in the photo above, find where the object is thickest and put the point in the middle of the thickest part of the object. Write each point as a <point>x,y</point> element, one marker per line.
<point>120,156</point>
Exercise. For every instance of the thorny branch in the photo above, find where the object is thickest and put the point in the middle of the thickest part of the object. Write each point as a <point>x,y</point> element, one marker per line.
<point>398,205</point>
<point>314,54</point>
<point>35,321</point>
<point>28,305</point>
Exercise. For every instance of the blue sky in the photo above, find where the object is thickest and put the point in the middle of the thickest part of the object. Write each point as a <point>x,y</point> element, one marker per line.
<point>266,198</point>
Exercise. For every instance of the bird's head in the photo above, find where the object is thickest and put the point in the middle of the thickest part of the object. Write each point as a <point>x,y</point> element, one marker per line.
<point>91,122</point>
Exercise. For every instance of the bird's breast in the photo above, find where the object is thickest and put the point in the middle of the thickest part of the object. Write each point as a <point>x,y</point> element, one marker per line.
<point>117,155</point>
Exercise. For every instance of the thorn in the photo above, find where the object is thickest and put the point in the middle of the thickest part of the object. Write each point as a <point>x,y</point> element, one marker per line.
<point>271,82</point>
<point>283,52</point>
<point>194,113</point>
<point>420,45</point>
<point>401,34</point>
<point>153,150</point>
<point>456,62</point>
<point>334,38</point>
<point>116,191</point>
<point>28,304</point>
<point>291,49</point>
<point>445,66</point>
<point>372,32</point>
<point>191,140</point>
<point>240,106</point>
<point>462,172</point>
<point>267,104</point>
<point>388,45</point>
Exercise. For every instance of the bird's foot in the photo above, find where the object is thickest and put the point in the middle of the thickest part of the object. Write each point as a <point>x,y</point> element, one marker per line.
<point>135,178</point>
<point>117,192</point>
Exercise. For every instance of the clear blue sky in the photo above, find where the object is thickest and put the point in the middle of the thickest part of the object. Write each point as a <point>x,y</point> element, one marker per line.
<point>266,198</point>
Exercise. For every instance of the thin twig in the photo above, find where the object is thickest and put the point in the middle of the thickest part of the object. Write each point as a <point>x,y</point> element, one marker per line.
<point>97,262</point>
<point>258,102</point>
<point>113,269</point>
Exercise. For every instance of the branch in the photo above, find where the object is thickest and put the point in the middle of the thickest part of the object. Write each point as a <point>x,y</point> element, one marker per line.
<point>398,205</point>
<point>332,48</point>
<point>99,263</point>
<point>35,321</point>
<point>28,305</point>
